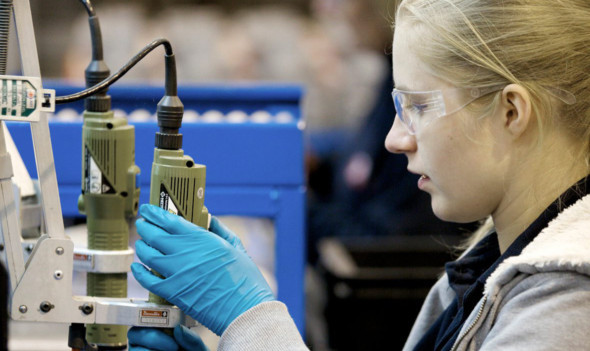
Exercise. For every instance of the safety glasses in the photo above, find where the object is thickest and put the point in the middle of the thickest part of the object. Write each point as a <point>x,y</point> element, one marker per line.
<point>416,109</point>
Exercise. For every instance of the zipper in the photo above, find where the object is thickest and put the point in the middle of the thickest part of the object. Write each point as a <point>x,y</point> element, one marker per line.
<point>472,325</point>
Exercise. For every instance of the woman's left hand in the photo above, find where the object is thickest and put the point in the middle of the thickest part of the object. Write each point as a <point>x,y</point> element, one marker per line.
<point>154,339</point>
<point>207,274</point>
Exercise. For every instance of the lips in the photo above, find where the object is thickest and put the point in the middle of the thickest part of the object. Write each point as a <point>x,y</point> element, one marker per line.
<point>422,181</point>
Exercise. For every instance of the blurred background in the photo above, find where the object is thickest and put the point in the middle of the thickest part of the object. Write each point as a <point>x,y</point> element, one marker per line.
<point>374,247</point>
<point>304,41</point>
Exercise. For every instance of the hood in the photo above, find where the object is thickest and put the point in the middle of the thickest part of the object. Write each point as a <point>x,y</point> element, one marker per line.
<point>563,246</point>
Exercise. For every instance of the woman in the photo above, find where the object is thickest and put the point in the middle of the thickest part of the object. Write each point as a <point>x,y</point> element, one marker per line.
<point>493,111</point>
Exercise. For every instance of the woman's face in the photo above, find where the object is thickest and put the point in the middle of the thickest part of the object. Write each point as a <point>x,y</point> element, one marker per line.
<point>460,163</point>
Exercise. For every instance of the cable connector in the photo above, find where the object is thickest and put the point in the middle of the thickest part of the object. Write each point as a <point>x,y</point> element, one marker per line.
<point>170,111</point>
<point>97,70</point>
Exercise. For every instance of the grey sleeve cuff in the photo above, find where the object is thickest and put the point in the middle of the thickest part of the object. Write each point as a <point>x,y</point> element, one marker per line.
<point>267,326</point>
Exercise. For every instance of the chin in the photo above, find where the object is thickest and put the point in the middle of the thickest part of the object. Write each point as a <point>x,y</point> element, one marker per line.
<point>445,211</point>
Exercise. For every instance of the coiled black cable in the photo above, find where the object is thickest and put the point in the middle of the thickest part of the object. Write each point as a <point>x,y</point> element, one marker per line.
<point>132,62</point>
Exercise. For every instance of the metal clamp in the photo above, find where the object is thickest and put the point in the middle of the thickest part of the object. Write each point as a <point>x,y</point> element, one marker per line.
<point>102,261</point>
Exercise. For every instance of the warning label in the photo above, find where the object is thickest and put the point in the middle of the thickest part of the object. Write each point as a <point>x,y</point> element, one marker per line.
<point>18,98</point>
<point>158,317</point>
<point>23,98</point>
<point>83,260</point>
<point>94,181</point>
<point>166,201</point>
<point>82,257</point>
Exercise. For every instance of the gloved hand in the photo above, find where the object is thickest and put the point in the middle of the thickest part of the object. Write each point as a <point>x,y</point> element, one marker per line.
<point>148,339</point>
<point>208,275</point>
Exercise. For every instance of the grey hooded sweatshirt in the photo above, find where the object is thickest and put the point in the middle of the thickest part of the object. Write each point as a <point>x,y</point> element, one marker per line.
<point>538,300</point>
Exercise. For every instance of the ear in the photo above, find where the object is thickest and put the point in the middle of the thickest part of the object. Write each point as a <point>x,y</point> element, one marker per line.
<point>516,109</point>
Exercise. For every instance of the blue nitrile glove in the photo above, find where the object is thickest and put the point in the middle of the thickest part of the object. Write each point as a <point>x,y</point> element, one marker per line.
<point>154,339</point>
<point>208,275</point>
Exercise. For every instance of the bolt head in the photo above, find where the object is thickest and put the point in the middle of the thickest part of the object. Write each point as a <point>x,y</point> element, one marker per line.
<point>59,250</point>
<point>46,306</point>
<point>23,309</point>
<point>87,308</point>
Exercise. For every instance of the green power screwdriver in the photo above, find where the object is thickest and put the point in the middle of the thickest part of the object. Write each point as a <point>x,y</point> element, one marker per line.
<point>177,183</point>
<point>110,193</point>
<point>109,199</point>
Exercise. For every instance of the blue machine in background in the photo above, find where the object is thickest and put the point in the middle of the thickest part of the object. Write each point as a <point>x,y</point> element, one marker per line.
<point>254,165</point>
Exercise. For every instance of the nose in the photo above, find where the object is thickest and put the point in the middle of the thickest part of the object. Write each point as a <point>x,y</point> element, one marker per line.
<point>398,140</point>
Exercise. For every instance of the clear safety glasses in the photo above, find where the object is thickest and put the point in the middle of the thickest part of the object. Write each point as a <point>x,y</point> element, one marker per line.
<point>416,109</point>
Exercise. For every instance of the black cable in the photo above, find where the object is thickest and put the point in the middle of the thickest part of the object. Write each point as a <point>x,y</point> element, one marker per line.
<point>96,38</point>
<point>97,70</point>
<point>115,76</point>
<point>88,7</point>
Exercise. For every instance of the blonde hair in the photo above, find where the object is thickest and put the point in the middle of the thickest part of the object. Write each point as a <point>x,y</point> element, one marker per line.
<point>542,45</point>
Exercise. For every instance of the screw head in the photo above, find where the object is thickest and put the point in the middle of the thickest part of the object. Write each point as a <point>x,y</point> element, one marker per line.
<point>58,275</point>
<point>46,306</point>
<point>23,309</point>
<point>87,308</point>
<point>29,248</point>
<point>59,250</point>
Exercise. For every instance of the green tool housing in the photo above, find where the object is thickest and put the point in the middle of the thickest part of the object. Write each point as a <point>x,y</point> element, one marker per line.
<point>110,197</point>
<point>178,186</point>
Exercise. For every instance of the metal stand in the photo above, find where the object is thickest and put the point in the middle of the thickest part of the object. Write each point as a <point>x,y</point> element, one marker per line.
<point>9,224</point>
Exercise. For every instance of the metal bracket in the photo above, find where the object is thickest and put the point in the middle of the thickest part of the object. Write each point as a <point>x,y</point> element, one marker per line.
<point>44,294</point>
